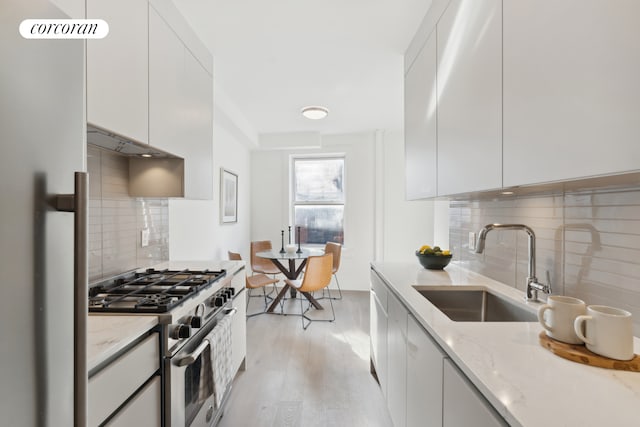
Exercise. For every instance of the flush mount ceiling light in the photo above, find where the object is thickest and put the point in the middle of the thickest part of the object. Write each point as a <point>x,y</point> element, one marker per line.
<point>315,112</point>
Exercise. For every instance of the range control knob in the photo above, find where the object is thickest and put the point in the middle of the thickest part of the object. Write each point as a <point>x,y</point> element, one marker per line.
<point>217,301</point>
<point>180,331</point>
<point>195,321</point>
<point>228,292</point>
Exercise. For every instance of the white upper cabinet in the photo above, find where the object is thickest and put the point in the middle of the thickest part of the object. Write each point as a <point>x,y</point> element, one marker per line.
<point>420,123</point>
<point>571,91</point>
<point>469,90</point>
<point>198,130</point>
<point>117,69</point>
<point>180,106</point>
<point>166,99</point>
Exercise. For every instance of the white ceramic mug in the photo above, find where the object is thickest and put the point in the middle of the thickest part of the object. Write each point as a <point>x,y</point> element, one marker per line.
<point>608,331</point>
<point>561,314</point>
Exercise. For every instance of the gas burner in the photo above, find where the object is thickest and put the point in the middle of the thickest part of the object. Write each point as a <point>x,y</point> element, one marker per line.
<point>152,291</point>
<point>96,301</point>
<point>156,300</point>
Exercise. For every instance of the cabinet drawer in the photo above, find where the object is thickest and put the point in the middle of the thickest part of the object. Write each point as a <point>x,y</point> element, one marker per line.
<point>113,385</point>
<point>141,411</point>
<point>379,291</point>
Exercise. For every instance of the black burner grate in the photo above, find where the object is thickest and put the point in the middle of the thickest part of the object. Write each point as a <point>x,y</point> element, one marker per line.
<point>152,291</point>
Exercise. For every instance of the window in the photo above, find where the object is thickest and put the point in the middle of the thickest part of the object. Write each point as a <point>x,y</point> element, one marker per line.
<point>318,199</point>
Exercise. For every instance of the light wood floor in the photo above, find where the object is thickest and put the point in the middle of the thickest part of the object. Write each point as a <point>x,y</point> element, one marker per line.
<point>317,377</point>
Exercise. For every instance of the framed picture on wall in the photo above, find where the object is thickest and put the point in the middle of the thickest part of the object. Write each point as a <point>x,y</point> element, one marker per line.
<point>228,196</point>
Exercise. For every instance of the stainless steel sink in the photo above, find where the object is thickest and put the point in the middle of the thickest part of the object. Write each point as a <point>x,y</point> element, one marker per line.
<point>475,305</point>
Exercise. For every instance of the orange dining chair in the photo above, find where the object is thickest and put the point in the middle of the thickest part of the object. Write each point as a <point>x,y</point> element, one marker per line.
<point>336,250</point>
<point>262,265</point>
<point>254,282</point>
<point>317,276</point>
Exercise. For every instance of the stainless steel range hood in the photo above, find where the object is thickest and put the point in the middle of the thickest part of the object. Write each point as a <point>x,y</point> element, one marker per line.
<point>122,145</point>
<point>152,172</point>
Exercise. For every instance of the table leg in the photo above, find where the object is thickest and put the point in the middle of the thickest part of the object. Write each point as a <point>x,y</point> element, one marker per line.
<point>277,299</point>
<point>312,300</point>
<point>293,274</point>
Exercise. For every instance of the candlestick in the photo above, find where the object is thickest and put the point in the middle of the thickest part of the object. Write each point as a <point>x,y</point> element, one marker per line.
<point>289,234</point>
<point>282,241</point>
<point>299,251</point>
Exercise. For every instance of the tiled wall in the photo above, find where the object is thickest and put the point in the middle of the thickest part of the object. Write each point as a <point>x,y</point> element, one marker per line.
<point>116,220</point>
<point>587,242</point>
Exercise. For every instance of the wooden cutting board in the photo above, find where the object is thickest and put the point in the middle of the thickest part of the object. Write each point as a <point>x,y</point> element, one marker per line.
<point>580,354</point>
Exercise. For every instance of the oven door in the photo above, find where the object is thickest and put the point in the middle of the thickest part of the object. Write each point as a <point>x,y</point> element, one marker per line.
<point>189,391</point>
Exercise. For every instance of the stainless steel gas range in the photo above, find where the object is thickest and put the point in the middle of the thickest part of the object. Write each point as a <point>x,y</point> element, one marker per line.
<point>194,310</point>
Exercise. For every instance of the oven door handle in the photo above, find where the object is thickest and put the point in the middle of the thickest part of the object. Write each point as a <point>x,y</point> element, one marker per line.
<point>192,357</point>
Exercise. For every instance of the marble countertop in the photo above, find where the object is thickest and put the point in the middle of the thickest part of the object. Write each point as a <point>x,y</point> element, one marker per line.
<point>107,334</point>
<point>527,384</point>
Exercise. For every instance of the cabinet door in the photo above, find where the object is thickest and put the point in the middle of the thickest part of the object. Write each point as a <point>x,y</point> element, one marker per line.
<point>197,130</point>
<point>181,106</point>
<point>239,330</point>
<point>397,351</point>
<point>378,327</point>
<point>112,386</point>
<point>117,69</point>
<point>420,123</point>
<point>571,92</point>
<point>166,98</point>
<point>424,377</point>
<point>470,96</point>
<point>463,405</point>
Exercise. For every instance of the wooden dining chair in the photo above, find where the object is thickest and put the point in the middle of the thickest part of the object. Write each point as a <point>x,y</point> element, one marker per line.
<point>262,265</point>
<point>317,276</point>
<point>256,281</point>
<point>336,250</point>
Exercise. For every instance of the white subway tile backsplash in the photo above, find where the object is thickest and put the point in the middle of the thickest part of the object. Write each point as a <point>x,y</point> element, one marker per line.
<point>116,220</point>
<point>589,242</point>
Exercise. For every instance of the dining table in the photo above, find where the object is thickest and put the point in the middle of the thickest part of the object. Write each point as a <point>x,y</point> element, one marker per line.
<point>295,262</point>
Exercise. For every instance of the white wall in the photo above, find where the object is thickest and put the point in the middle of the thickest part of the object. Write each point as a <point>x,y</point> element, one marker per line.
<point>407,224</point>
<point>270,200</point>
<point>195,231</point>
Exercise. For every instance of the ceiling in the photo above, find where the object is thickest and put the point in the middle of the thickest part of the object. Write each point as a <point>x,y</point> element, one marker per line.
<point>274,57</point>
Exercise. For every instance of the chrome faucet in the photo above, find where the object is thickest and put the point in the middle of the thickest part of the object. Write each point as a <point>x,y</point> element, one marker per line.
<point>533,286</point>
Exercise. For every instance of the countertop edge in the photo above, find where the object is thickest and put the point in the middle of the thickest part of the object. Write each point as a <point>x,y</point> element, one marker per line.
<point>521,399</point>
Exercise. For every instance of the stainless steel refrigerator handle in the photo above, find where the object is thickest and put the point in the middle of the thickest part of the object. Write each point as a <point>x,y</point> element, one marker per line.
<point>78,203</point>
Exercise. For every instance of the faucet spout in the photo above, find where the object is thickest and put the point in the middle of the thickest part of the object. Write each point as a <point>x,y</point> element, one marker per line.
<point>533,286</point>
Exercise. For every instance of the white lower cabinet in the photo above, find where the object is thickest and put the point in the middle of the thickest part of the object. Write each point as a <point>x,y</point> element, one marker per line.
<point>239,331</point>
<point>424,377</point>
<point>422,386</point>
<point>121,380</point>
<point>463,405</point>
<point>379,325</point>
<point>143,410</point>
<point>397,347</point>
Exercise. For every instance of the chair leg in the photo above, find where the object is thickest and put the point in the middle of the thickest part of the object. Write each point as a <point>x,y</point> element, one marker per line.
<point>266,299</point>
<point>249,298</point>
<point>338,285</point>
<point>327,289</point>
<point>303,316</point>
